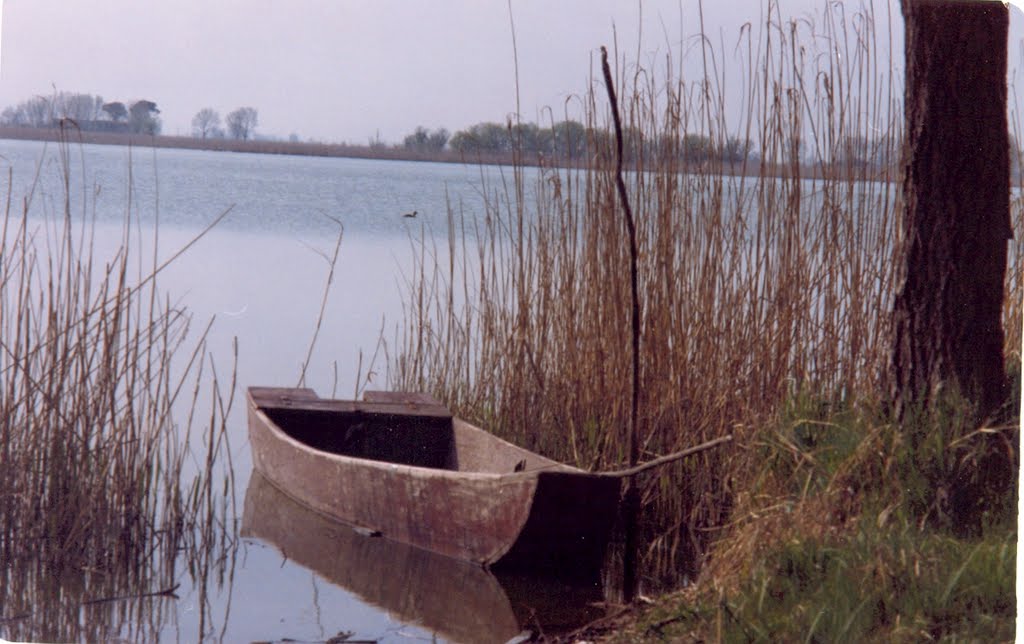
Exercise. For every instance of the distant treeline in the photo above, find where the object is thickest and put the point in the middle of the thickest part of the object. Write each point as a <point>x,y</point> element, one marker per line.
<point>67,131</point>
<point>90,113</point>
<point>568,140</point>
<point>571,141</point>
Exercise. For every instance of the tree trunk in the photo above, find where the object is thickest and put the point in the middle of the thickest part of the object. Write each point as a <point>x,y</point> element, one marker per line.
<point>948,334</point>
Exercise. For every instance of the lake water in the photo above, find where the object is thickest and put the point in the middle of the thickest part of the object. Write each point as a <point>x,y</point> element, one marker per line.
<point>263,269</point>
<point>261,273</point>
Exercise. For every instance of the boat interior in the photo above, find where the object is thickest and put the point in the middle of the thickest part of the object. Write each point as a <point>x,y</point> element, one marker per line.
<point>393,427</point>
<point>392,438</point>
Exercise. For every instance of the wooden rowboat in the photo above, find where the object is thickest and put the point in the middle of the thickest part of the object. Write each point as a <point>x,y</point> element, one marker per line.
<point>401,466</point>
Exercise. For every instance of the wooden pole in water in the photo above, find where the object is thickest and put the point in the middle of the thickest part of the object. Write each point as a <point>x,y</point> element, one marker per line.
<point>631,500</point>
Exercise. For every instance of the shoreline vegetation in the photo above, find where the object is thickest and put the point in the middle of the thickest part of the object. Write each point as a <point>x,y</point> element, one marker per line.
<point>382,152</point>
<point>116,487</point>
<point>765,313</point>
<point>254,146</point>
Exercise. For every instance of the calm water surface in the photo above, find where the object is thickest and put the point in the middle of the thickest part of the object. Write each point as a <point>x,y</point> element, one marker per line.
<point>262,274</point>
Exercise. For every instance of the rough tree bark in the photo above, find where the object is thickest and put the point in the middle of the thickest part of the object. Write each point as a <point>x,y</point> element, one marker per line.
<point>948,333</point>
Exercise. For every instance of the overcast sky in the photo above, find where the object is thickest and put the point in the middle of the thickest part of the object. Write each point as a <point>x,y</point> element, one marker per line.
<point>346,70</point>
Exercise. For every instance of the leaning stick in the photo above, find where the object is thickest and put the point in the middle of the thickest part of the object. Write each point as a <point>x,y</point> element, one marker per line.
<point>631,498</point>
<point>669,458</point>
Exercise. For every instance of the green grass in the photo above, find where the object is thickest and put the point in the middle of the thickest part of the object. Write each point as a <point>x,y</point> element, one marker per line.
<point>895,583</point>
<point>863,538</point>
<point>877,584</point>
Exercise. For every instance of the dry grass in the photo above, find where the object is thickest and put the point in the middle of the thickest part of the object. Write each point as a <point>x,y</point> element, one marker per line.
<point>755,290</point>
<point>95,376</point>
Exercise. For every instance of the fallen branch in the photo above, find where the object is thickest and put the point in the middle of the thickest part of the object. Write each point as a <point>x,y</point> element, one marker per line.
<point>669,458</point>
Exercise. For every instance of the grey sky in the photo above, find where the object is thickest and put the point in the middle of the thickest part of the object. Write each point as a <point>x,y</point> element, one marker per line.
<point>345,69</point>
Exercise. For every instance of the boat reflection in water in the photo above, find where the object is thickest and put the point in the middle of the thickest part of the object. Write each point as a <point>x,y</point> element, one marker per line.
<point>457,600</point>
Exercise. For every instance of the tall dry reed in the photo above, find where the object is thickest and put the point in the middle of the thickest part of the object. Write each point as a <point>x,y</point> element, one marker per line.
<point>96,387</point>
<point>761,281</point>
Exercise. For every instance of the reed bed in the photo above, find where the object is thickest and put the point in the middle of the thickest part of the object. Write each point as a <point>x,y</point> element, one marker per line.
<point>103,484</point>
<point>763,283</point>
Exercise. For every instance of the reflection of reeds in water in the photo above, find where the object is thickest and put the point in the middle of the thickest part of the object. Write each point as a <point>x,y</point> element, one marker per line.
<point>93,506</point>
<point>759,281</point>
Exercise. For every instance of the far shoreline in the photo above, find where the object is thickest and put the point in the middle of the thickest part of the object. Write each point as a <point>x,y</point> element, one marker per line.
<point>295,148</point>
<point>750,168</point>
